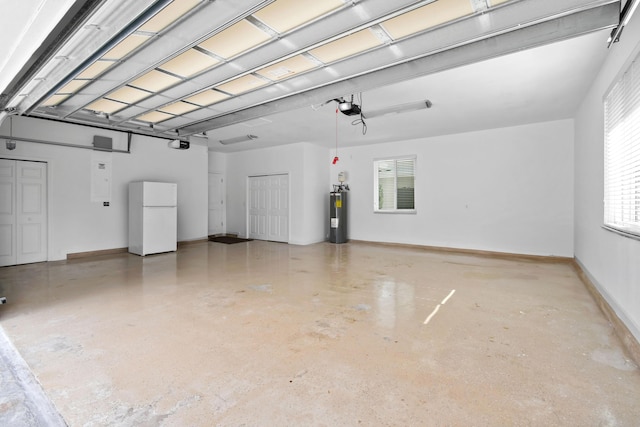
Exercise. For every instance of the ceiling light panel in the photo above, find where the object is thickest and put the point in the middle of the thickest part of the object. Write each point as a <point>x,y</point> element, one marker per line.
<point>426,17</point>
<point>178,108</point>
<point>207,97</point>
<point>95,69</point>
<point>155,117</point>
<point>497,2</point>
<point>126,46</point>
<point>285,15</point>
<point>129,95</point>
<point>288,68</point>
<point>346,46</point>
<point>236,39</point>
<point>106,106</point>
<point>155,81</point>
<point>167,16</point>
<point>242,84</point>
<point>73,86</point>
<point>54,100</point>
<point>189,63</point>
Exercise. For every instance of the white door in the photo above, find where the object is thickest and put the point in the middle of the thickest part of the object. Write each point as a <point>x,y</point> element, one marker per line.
<point>23,212</point>
<point>216,203</point>
<point>269,207</point>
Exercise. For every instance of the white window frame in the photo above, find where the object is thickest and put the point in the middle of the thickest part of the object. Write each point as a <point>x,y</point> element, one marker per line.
<point>395,210</point>
<point>622,153</point>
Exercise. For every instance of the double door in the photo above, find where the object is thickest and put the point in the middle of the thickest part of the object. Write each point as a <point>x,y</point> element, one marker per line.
<point>23,212</point>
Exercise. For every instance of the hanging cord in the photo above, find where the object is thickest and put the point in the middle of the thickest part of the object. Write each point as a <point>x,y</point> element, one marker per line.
<point>359,121</point>
<point>336,158</point>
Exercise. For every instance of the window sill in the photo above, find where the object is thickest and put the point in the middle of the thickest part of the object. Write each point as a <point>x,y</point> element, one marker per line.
<point>622,233</point>
<point>402,212</point>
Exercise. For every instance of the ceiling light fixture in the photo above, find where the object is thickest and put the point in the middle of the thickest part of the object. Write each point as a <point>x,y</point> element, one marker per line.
<point>401,108</point>
<point>237,139</point>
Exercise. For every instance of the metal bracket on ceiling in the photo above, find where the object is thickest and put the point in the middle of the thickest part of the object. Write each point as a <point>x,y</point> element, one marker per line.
<point>626,14</point>
<point>479,5</point>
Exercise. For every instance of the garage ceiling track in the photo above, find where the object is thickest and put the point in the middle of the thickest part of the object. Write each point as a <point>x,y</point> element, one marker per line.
<point>179,68</point>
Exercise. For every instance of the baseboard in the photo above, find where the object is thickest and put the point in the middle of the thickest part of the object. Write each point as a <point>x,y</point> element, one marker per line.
<point>89,254</point>
<point>627,337</point>
<point>476,252</point>
<point>114,251</point>
<point>191,242</point>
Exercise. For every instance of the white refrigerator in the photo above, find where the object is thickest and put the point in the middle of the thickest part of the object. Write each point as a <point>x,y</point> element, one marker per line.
<point>153,218</point>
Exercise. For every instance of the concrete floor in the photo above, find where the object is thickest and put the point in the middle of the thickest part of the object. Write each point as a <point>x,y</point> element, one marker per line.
<point>264,333</point>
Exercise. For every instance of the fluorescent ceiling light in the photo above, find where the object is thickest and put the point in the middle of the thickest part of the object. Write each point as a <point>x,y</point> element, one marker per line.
<point>236,39</point>
<point>125,47</point>
<point>154,117</point>
<point>284,15</point>
<point>129,95</point>
<point>73,86</point>
<point>497,2</point>
<point>242,84</point>
<point>54,100</point>
<point>95,69</point>
<point>287,68</point>
<point>155,81</point>
<point>207,97</point>
<point>106,106</point>
<point>402,108</point>
<point>238,139</point>
<point>189,63</point>
<point>426,17</point>
<point>255,122</point>
<point>346,46</point>
<point>179,108</point>
<point>168,15</point>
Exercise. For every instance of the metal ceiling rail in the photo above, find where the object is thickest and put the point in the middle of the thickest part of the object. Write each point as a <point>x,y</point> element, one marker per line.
<point>75,17</point>
<point>126,31</point>
<point>64,144</point>
<point>60,63</point>
<point>560,27</point>
<point>199,28</point>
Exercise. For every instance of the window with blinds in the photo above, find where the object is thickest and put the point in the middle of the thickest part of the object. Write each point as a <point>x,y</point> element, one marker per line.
<point>394,185</point>
<point>622,152</point>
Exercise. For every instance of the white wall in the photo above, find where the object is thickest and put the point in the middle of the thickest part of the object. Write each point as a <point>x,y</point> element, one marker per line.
<point>504,190</point>
<point>217,162</point>
<point>306,165</point>
<point>611,261</point>
<point>76,224</point>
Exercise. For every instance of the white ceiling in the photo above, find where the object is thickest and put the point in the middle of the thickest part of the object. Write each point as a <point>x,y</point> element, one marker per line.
<point>467,90</point>
<point>540,84</point>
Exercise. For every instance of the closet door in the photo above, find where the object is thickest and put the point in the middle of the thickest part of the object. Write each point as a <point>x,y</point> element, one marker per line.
<point>7,212</point>
<point>23,212</point>
<point>269,207</point>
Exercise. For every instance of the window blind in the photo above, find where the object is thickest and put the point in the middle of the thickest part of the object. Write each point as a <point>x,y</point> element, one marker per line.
<point>404,184</point>
<point>395,184</point>
<point>622,152</point>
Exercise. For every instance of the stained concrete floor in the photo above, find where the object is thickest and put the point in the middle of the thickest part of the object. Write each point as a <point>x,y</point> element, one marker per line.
<point>270,334</point>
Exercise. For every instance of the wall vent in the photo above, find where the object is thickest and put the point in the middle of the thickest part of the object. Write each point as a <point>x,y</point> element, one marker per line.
<point>102,143</point>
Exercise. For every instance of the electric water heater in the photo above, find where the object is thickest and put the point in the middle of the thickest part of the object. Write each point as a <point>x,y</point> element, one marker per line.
<point>338,217</point>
